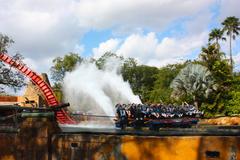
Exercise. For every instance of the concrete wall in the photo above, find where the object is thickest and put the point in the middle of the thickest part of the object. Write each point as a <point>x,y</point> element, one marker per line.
<point>41,139</point>
<point>105,147</point>
<point>31,142</point>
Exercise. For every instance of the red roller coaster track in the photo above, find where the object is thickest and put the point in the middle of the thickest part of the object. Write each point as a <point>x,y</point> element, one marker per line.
<point>62,116</point>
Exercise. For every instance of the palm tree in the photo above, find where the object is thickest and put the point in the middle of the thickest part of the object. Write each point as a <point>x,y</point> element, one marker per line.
<point>232,28</point>
<point>216,35</point>
<point>194,81</point>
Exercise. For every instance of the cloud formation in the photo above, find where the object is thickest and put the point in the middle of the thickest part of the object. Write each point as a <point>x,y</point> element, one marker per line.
<point>127,14</point>
<point>41,27</point>
<point>44,29</point>
<point>228,8</point>
<point>110,45</point>
<point>148,49</point>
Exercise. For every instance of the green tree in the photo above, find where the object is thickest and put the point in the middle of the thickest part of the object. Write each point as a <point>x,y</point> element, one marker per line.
<point>232,28</point>
<point>195,82</point>
<point>210,54</point>
<point>215,61</point>
<point>216,35</point>
<point>161,91</point>
<point>212,57</point>
<point>61,65</point>
<point>128,69</point>
<point>140,77</point>
<point>8,76</point>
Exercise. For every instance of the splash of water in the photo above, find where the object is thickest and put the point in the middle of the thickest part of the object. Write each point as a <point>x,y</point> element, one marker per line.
<point>95,91</point>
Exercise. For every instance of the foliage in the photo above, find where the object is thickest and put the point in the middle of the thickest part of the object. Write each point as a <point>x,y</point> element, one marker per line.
<point>161,91</point>
<point>225,100</point>
<point>232,106</point>
<point>231,26</point>
<point>140,77</point>
<point>232,102</point>
<point>8,76</point>
<point>61,65</point>
<point>128,70</point>
<point>195,82</point>
<point>216,35</point>
<point>213,59</point>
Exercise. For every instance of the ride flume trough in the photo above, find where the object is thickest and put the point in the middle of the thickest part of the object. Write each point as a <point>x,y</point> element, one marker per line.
<point>61,115</point>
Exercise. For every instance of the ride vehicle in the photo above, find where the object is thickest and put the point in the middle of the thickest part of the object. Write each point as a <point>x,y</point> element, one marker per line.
<point>156,116</point>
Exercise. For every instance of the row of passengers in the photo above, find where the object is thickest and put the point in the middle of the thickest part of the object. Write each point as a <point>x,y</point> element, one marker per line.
<point>156,110</point>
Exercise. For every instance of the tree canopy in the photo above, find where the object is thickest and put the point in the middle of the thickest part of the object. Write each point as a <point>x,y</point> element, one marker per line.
<point>194,82</point>
<point>216,35</point>
<point>61,65</point>
<point>8,76</point>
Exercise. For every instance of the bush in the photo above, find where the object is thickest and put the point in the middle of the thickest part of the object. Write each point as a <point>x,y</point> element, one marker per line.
<point>232,106</point>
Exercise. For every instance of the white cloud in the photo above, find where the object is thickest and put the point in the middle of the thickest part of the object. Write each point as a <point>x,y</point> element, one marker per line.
<point>177,47</point>
<point>34,64</point>
<point>79,49</point>
<point>44,27</point>
<point>139,46</point>
<point>108,46</point>
<point>40,28</point>
<point>132,14</point>
<point>50,28</point>
<point>199,22</point>
<point>229,8</point>
<point>164,62</point>
<point>148,49</point>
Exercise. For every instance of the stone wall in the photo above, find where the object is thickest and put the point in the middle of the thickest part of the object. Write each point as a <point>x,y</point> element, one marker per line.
<point>30,142</point>
<point>42,139</point>
<point>106,147</point>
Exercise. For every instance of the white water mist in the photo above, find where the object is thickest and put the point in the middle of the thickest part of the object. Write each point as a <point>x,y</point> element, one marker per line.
<point>95,91</point>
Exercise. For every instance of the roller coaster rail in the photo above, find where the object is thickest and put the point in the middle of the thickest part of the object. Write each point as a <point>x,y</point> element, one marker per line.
<point>61,115</point>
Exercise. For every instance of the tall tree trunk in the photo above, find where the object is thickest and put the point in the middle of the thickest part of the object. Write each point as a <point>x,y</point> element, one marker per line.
<point>218,46</point>
<point>231,60</point>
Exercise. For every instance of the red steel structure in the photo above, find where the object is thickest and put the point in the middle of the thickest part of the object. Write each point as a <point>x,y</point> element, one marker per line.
<point>62,116</point>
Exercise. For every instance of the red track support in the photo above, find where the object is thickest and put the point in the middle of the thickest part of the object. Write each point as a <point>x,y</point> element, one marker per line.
<point>62,116</point>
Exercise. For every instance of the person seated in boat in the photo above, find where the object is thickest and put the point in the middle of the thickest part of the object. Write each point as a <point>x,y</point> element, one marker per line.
<point>145,110</point>
<point>121,111</point>
<point>154,111</point>
<point>139,115</point>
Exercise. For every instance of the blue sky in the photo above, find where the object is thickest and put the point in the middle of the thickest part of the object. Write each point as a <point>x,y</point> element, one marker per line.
<point>155,32</point>
<point>93,38</point>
